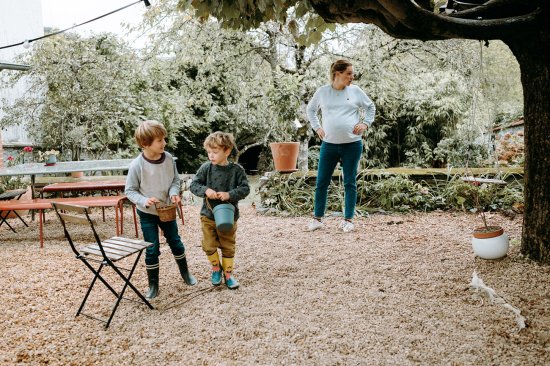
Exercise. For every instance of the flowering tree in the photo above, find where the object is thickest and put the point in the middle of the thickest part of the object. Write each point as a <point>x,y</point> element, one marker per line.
<point>83,95</point>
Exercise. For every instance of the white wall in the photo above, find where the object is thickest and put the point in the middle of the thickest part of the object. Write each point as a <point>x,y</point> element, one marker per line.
<point>19,20</point>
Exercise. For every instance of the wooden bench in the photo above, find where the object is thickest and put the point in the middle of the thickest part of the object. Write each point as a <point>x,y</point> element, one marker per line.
<point>41,204</point>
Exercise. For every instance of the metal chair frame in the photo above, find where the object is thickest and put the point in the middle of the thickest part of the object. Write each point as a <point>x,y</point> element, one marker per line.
<point>16,194</point>
<point>106,253</point>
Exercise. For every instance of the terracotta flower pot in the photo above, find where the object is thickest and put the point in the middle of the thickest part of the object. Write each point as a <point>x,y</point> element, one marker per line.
<point>483,232</point>
<point>285,156</point>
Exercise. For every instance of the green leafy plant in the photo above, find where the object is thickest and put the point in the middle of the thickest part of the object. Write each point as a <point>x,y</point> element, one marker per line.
<point>294,194</point>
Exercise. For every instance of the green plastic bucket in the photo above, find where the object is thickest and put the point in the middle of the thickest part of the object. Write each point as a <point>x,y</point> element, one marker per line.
<point>224,215</point>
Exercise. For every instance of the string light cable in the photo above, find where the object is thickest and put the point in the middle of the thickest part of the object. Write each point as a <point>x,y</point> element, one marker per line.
<point>26,43</point>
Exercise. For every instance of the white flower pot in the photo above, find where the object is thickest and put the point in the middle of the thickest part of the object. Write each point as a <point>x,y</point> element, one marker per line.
<point>491,248</point>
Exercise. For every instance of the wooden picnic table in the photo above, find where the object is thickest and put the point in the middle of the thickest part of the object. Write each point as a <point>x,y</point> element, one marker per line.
<point>82,186</point>
<point>34,169</point>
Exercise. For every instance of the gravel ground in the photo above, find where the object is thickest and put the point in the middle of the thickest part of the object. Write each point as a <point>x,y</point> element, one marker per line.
<point>394,292</point>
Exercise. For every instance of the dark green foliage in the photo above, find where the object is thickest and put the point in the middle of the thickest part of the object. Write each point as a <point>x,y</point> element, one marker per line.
<point>294,194</point>
<point>455,151</point>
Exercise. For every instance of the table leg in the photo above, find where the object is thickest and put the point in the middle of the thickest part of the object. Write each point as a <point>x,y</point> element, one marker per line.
<point>118,233</point>
<point>121,217</point>
<point>32,194</point>
<point>180,212</point>
<point>40,213</point>
<point>135,219</point>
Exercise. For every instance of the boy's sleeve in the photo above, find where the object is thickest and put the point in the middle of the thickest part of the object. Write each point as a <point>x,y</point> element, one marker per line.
<point>175,187</point>
<point>242,189</point>
<point>131,189</point>
<point>198,185</point>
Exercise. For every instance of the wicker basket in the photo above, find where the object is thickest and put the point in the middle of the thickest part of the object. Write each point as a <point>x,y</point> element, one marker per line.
<point>166,212</point>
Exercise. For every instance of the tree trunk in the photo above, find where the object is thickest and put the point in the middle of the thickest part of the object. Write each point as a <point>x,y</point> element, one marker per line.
<point>302,156</point>
<point>1,151</point>
<point>535,77</point>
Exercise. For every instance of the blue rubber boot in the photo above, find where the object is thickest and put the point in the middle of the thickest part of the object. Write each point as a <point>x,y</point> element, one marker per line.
<point>216,276</point>
<point>153,277</point>
<point>188,278</point>
<point>230,281</point>
<point>216,269</point>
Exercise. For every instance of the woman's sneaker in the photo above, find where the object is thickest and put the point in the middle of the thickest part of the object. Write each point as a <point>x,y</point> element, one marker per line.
<point>346,226</point>
<point>314,224</point>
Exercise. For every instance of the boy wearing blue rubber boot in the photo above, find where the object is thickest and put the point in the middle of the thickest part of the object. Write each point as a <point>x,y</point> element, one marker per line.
<point>219,182</point>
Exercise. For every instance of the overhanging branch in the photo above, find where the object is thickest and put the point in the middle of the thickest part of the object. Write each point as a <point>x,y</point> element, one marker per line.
<point>406,19</point>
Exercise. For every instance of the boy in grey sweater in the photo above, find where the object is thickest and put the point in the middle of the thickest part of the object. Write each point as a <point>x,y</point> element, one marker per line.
<point>153,178</point>
<point>220,181</point>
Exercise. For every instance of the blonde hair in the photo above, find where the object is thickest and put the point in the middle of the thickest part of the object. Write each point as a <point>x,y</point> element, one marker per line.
<point>219,139</point>
<point>148,131</point>
<point>338,66</point>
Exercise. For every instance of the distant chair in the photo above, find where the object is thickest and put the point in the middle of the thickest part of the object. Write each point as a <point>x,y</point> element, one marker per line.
<point>106,253</point>
<point>15,194</point>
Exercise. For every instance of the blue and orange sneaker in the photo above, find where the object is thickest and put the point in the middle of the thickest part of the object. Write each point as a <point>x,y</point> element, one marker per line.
<point>216,276</point>
<point>231,282</point>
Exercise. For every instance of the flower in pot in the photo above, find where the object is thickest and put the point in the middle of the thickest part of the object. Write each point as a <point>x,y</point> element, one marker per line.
<point>49,157</point>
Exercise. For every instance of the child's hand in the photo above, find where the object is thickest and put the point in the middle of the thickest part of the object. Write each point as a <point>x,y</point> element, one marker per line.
<point>210,193</point>
<point>175,198</point>
<point>223,196</point>
<point>151,201</point>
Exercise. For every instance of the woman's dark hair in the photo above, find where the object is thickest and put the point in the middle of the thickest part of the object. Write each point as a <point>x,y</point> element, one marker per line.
<point>338,66</point>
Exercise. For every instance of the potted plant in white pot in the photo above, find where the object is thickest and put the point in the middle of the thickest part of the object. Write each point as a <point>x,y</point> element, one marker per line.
<point>488,241</point>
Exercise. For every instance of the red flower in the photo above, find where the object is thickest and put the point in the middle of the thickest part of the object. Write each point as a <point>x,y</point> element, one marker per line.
<point>11,158</point>
<point>27,149</point>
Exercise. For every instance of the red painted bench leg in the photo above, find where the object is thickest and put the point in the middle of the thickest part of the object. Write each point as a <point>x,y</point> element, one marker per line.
<point>135,219</point>
<point>41,213</point>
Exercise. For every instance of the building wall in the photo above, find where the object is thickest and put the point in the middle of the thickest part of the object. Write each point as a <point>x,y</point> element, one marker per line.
<point>19,20</point>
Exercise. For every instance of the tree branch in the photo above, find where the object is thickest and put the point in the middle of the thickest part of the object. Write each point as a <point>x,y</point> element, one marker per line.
<point>497,9</point>
<point>405,19</point>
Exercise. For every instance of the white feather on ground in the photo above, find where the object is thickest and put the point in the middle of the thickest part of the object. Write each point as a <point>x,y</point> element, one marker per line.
<point>494,298</point>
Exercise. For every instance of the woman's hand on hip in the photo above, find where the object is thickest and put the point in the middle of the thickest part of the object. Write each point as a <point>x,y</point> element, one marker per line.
<point>321,133</point>
<point>360,128</point>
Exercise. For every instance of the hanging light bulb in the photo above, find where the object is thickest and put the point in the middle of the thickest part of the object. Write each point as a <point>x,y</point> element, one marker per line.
<point>26,44</point>
<point>147,4</point>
